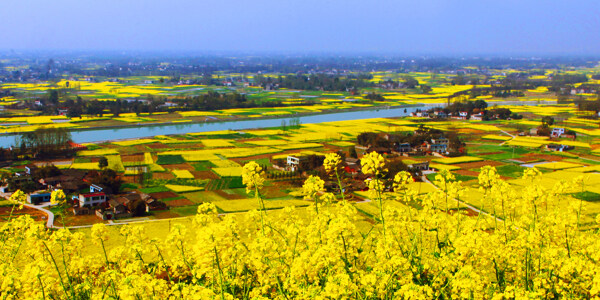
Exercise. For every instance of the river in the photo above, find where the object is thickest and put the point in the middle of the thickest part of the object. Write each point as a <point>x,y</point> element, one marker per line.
<point>120,133</point>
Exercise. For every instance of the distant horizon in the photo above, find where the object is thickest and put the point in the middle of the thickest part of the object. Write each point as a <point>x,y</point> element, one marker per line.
<point>297,53</point>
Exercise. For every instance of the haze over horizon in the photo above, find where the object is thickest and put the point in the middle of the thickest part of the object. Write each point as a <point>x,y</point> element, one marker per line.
<point>402,27</point>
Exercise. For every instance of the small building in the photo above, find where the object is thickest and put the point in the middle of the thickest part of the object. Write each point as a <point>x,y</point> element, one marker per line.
<point>38,197</point>
<point>533,131</point>
<point>105,214</point>
<point>79,211</point>
<point>558,147</point>
<point>153,204</point>
<point>91,199</point>
<point>421,166</point>
<point>293,162</point>
<point>352,165</point>
<point>62,111</point>
<point>440,114</point>
<point>30,168</point>
<point>477,117</point>
<point>97,188</point>
<point>118,205</point>
<point>461,115</point>
<point>557,132</point>
<point>439,145</point>
<point>404,147</point>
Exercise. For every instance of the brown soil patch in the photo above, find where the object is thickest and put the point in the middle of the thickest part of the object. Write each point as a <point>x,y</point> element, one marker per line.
<point>157,146</point>
<point>80,220</point>
<point>479,164</point>
<point>163,195</point>
<point>34,213</point>
<point>131,158</point>
<point>179,202</point>
<point>227,196</point>
<point>163,175</point>
<point>468,130</point>
<point>535,157</point>
<point>273,192</point>
<point>165,214</point>
<point>204,175</point>
<point>130,178</point>
<point>467,173</point>
<point>140,148</point>
<point>186,146</point>
<point>179,167</point>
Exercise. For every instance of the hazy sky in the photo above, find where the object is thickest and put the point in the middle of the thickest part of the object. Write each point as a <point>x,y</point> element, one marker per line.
<point>401,26</point>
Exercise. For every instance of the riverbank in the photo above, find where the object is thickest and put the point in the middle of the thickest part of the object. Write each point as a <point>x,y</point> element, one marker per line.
<point>136,131</point>
<point>235,118</point>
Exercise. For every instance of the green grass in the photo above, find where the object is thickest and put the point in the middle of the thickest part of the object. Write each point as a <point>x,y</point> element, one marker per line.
<point>225,183</point>
<point>189,210</point>
<point>130,186</point>
<point>514,171</point>
<point>172,198</point>
<point>156,189</point>
<point>587,196</point>
<point>203,196</point>
<point>82,160</point>
<point>203,166</point>
<point>92,146</point>
<point>262,162</point>
<point>170,159</point>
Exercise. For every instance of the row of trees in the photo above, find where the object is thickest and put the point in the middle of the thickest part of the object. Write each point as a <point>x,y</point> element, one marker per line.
<point>317,82</point>
<point>45,142</point>
<point>150,104</point>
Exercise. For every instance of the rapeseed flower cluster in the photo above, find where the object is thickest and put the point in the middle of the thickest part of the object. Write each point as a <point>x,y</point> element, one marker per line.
<point>530,247</point>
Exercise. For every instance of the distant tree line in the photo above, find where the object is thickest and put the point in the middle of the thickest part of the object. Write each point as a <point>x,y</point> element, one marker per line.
<point>206,102</point>
<point>316,82</point>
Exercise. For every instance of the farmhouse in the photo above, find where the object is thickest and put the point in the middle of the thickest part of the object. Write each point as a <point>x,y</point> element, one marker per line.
<point>559,148</point>
<point>92,199</point>
<point>557,132</point>
<point>477,117</point>
<point>439,145</point>
<point>38,197</point>
<point>293,162</point>
<point>421,166</point>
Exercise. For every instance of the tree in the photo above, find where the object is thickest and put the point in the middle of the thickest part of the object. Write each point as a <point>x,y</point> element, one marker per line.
<point>103,162</point>
<point>543,130</point>
<point>410,82</point>
<point>45,142</point>
<point>107,177</point>
<point>548,120</point>
<point>426,89</point>
<point>53,97</point>
<point>352,153</point>
<point>45,171</point>
<point>137,208</point>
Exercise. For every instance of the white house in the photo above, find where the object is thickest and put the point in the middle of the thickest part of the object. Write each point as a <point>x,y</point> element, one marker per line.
<point>557,132</point>
<point>91,199</point>
<point>477,117</point>
<point>293,163</point>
